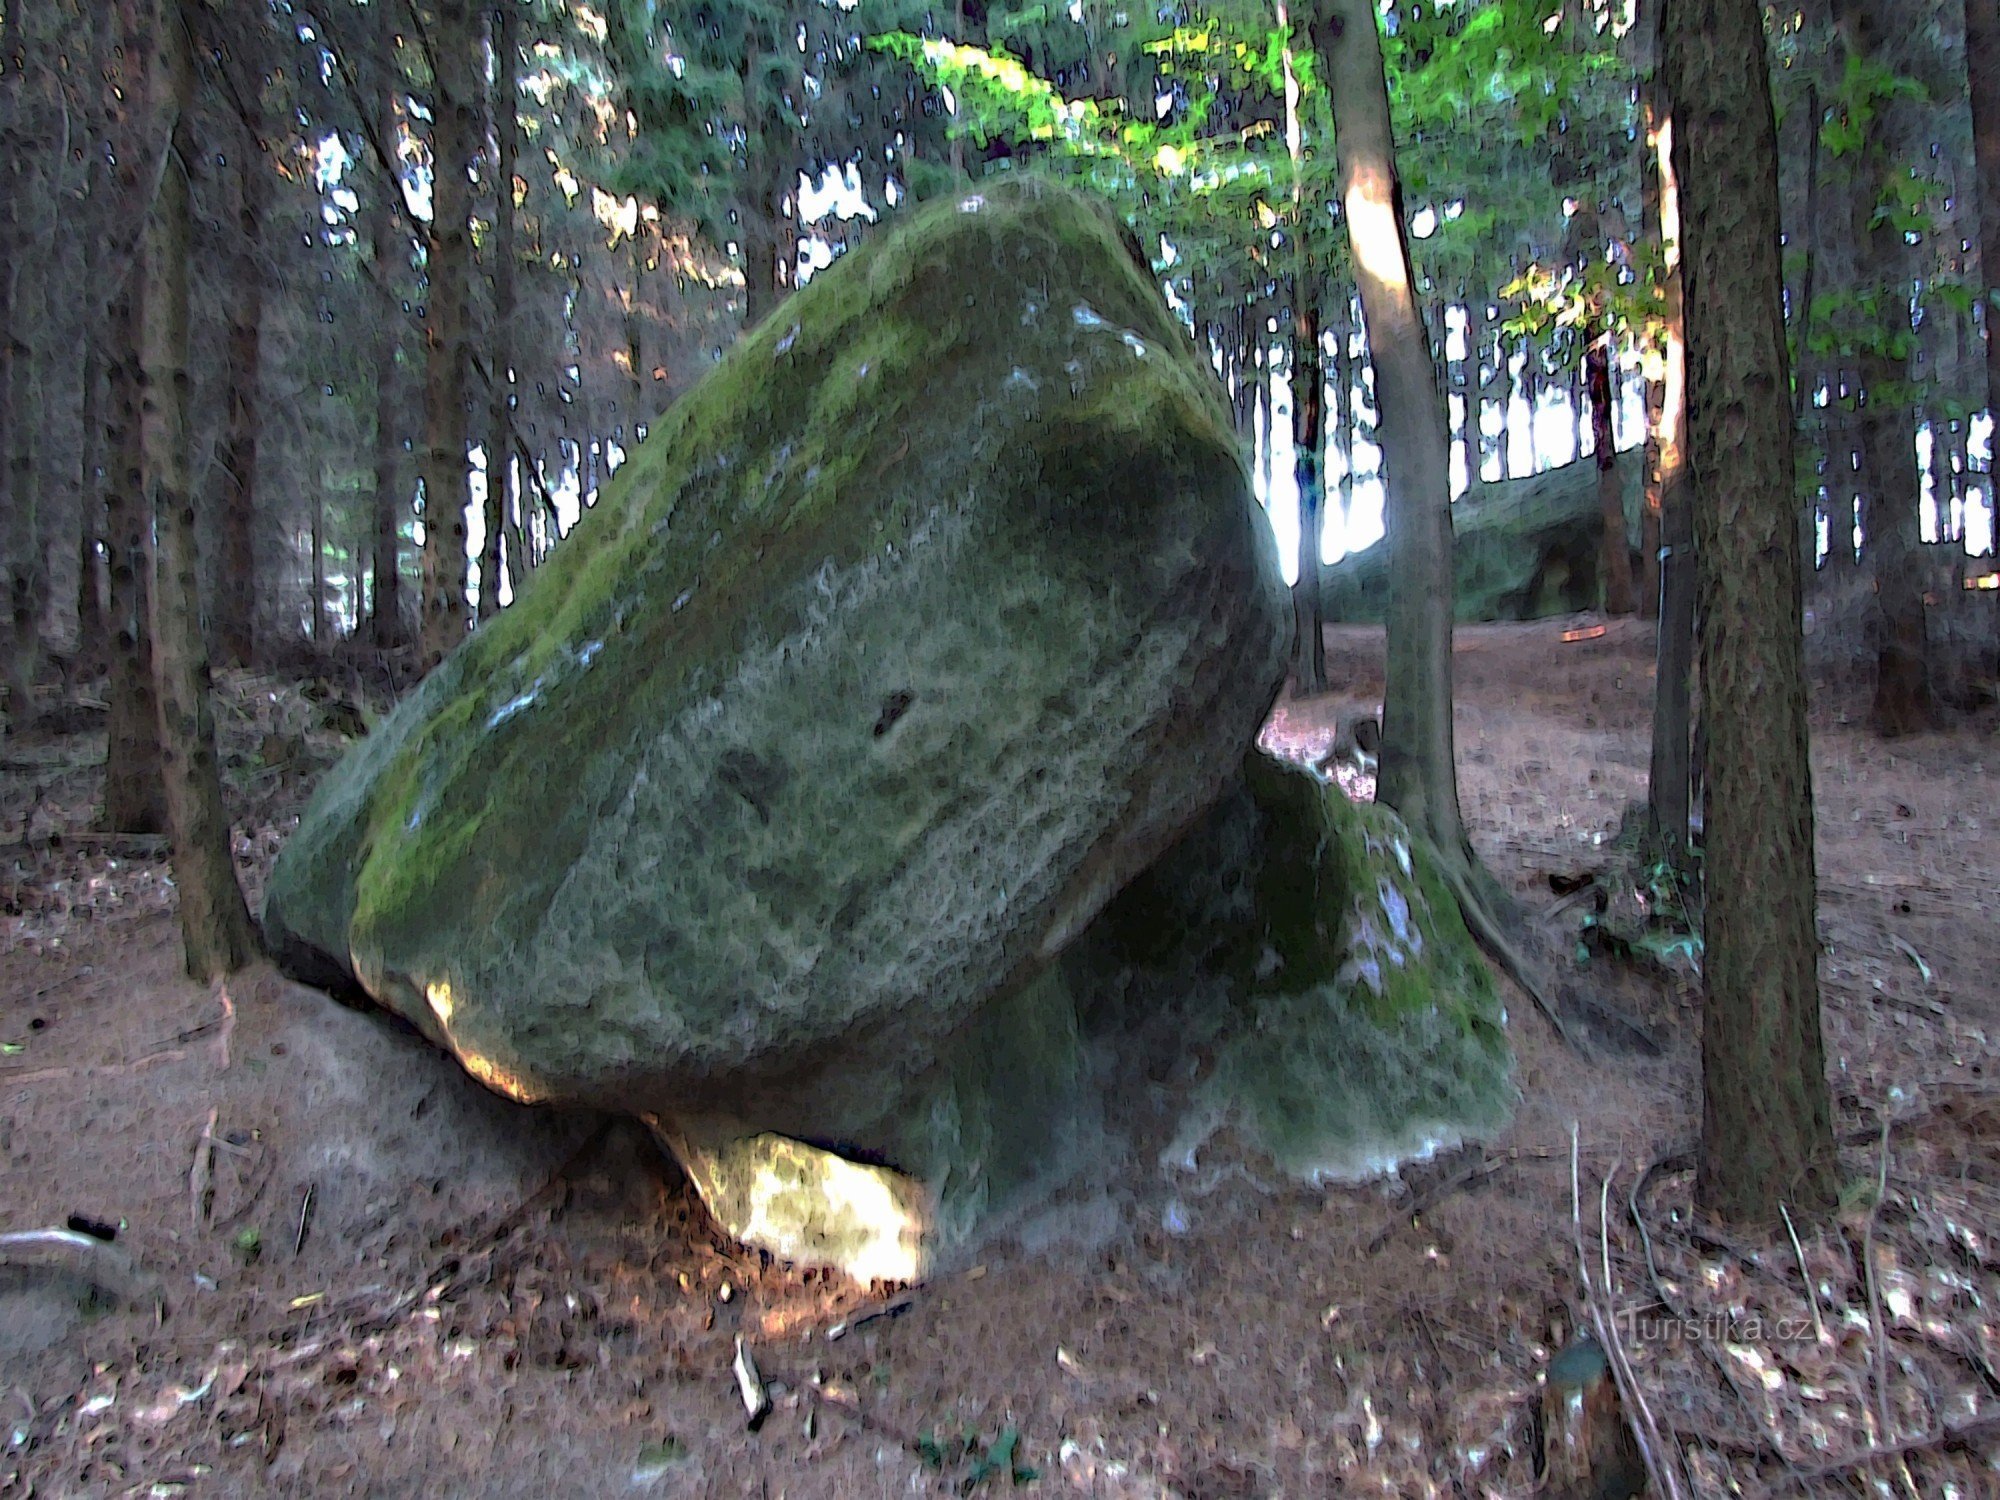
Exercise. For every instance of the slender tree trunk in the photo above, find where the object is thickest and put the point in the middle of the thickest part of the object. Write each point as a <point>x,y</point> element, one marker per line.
<point>1493,395</point>
<point>1419,775</point>
<point>1617,545</point>
<point>1671,777</point>
<point>1340,419</point>
<point>319,566</point>
<point>392,258</point>
<point>499,432</point>
<point>236,592</point>
<point>215,923</point>
<point>1982,75</point>
<point>1307,384</point>
<point>447,487</point>
<point>1767,1140</point>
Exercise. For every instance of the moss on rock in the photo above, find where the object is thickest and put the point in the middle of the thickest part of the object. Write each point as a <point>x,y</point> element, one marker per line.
<point>1363,1029</point>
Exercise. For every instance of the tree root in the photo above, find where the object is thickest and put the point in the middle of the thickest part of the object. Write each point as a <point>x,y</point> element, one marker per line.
<point>1488,931</point>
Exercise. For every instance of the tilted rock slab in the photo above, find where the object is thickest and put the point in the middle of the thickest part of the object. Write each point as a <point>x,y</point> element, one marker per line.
<point>910,635</point>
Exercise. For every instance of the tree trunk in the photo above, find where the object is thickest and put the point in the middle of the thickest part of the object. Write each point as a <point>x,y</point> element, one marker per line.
<point>1617,544</point>
<point>1307,384</point>
<point>1982,73</point>
<point>391,253</point>
<point>1340,419</point>
<point>1671,775</point>
<point>1885,421</point>
<point>23,324</point>
<point>499,432</point>
<point>215,923</point>
<point>91,609</point>
<point>1419,775</point>
<point>134,793</point>
<point>236,592</point>
<point>1766,1140</point>
<point>447,487</point>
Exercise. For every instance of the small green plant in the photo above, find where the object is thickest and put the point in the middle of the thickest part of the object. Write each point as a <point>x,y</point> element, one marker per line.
<point>981,1460</point>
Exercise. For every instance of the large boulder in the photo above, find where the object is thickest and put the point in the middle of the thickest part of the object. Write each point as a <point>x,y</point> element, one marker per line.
<point>911,634</point>
<point>1522,549</point>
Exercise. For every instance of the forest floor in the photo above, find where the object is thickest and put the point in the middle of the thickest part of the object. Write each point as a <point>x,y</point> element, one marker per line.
<point>348,1270</point>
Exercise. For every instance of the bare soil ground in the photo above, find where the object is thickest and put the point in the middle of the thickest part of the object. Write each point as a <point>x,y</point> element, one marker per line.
<point>353,1272</point>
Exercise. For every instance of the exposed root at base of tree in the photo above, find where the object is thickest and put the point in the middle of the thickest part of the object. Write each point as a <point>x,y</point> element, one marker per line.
<point>1488,931</point>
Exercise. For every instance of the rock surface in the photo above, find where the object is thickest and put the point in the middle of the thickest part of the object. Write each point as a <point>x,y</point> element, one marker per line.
<point>909,637</point>
<point>1523,549</point>
<point>1307,949</point>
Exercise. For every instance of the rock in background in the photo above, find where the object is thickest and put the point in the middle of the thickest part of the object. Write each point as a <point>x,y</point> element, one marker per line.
<point>1523,549</point>
<point>912,634</point>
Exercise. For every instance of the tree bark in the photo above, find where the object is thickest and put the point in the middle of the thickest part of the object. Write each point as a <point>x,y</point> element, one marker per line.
<point>1418,775</point>
<point>236,591</point>
<point>215,923</point>
<point>391,254</point>
<point>1617,544</point>
<point>1767,1140</point>
<point>1885,424</point>
<point>447,483</point>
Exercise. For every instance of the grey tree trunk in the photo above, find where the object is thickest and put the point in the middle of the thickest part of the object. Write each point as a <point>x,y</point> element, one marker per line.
<point>215,923</point>
<point>236,578</point>
<point>1766,1137</point>
<point>447,485</point>
<point>391,254</point>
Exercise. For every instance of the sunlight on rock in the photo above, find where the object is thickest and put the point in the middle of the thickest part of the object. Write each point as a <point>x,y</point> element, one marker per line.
<point>810,1205</point>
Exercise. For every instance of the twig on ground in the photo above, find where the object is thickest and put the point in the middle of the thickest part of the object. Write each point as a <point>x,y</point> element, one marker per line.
<point>1604,1320</point>
<point>1805,1277</point>
<point>1878,1354</point>
<point>1635,1204</point>
<point>1476,1167</point>
<point>202,1172</point>
<point>1952,1435</point>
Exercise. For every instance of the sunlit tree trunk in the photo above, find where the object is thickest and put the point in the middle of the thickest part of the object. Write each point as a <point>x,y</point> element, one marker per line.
<point>1418,770</point>
<point>447,487</point>
<point>1670,777</point>
<point>1766,1140</point>
<point>215,923</point>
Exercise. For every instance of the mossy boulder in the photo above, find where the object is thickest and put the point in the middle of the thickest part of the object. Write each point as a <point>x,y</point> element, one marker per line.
<point>1346,1019</point>
<point>910,635</point>
<point>1523,549</point>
